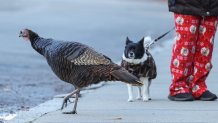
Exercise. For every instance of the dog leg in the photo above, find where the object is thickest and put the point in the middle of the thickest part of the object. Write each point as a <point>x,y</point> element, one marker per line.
<point>149,84</point>
<point>139,97</point>
<point>145,89</point>
<point>130,92</point>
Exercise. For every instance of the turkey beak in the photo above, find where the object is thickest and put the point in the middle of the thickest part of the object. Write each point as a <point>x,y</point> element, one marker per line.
<point>21,34</point>
<point>24,35</point>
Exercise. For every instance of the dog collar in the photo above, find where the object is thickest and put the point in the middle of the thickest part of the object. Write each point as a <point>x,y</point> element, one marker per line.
<point>135,61</point>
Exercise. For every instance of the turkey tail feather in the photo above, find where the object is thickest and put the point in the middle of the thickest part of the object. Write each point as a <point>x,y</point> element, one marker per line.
<point>124,76</point>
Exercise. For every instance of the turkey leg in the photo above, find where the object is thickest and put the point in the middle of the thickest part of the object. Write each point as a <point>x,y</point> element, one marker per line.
<point>67,98</point>
<point>75,104</point>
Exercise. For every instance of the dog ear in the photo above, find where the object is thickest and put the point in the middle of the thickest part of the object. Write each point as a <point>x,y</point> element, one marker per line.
<point>141,42</point>
<point>128,41</point>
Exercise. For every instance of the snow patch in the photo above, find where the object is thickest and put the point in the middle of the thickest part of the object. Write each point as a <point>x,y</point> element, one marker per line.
<point>7,117</point>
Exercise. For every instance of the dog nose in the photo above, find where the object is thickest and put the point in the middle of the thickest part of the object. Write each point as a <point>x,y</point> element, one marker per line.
<point>131,55</point>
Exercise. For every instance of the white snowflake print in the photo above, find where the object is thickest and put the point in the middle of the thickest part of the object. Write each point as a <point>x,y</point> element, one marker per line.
<point>208,66</point>
<point>202,29</point>
<point>182,91</point>
<point>184,51</point>
<point>201,43</point>
<point>190,79</point>
<point>212,40</point>
<point>193,29</point>
<point>179,88</point>
<point>178,36</point>
<point>195,70</point>
<point>205,51</point>
<point>195,88</point>
<point>185,73</point>
<point>193,49</point>
<point>176,62</point>
<point>179,20</point>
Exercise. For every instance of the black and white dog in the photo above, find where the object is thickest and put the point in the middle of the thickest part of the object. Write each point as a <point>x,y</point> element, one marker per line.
<point>138,61</point>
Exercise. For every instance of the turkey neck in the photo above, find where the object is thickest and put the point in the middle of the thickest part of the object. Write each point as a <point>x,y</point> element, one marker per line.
<point>40,44</point>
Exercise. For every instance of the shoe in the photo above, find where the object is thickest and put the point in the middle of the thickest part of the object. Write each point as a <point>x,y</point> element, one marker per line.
<point>181,97</point>
<point>208,96</point>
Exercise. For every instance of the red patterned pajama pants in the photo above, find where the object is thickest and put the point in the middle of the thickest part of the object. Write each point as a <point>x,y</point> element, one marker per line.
<point>192,53</point>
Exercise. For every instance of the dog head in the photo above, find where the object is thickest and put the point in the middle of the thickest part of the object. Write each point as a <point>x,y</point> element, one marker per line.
<point>135,52</point>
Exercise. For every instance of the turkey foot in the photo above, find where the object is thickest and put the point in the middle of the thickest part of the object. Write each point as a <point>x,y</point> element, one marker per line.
<point>64,104</point>
<point>71,112</point>
<point>67,98</point>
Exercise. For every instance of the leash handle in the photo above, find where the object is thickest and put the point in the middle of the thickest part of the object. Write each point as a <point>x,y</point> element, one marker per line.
<point>158,38</point>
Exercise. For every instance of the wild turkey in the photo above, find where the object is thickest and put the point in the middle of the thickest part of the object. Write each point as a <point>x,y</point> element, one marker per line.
<point>77,64</point>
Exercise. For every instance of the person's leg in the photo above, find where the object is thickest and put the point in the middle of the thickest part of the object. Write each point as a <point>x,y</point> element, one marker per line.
<point>182,56</point>
<point>202,59</point>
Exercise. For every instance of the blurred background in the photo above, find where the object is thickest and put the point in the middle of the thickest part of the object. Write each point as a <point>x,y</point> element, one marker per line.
<point>25,78</point>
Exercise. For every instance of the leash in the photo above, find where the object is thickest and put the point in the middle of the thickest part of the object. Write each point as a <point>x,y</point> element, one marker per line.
<point>158,38</point>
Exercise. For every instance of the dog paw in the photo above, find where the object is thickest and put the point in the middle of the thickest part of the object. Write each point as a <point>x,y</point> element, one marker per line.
<point>138,98</point>
<point>145,99</point>
<point>130,100</point>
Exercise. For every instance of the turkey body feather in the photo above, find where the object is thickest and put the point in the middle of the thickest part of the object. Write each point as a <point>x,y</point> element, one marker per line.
<point>74,62</point>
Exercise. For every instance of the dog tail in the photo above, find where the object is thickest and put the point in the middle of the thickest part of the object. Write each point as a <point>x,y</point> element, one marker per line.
<point>124,76</point>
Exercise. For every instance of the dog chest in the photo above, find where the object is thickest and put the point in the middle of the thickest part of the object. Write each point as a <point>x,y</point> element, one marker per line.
<point>139,70</point>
